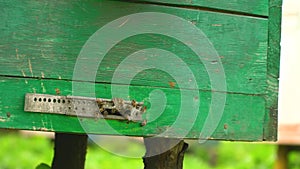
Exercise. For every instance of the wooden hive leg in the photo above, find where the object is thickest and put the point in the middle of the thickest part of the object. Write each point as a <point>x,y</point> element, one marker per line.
<point>69,151</point>
<point>282,157</point>
<point>156,156</point>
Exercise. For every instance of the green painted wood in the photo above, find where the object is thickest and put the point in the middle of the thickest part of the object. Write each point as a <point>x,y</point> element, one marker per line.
<point>258,7</point>
<point>46,43</point>
<point>243,122</point>
<point>271,119</point>
<point>40,41</point>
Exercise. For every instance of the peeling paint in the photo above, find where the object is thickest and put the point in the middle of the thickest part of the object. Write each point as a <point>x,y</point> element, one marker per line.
<point>43,87</point>
<point>30,67</point>
<point>2,120</point>
<point>51,126</point>
<point>42,74</point>
<point>43,129</point>
<point>17,55</point>
<point>23,73</point>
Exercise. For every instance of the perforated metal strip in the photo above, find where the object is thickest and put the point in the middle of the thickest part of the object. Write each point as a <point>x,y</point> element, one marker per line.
<point>75,106</point>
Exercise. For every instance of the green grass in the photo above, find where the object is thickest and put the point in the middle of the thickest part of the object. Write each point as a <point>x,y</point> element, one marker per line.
<point>232,155</point>
<point>19,152</point>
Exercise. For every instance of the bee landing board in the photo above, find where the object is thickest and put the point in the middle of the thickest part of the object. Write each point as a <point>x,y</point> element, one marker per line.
<point>84,107</point>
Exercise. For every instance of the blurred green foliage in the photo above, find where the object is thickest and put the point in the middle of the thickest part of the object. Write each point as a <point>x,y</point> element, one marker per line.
<point>28,152</point>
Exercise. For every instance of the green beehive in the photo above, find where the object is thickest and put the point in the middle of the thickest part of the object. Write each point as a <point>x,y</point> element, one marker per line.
<point>196,69</point>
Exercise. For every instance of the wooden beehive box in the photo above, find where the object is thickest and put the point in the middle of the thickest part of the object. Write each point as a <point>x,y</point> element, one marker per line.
<point>204,69</point>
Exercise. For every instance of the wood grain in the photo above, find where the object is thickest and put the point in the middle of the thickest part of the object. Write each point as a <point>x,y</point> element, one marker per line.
<point>271,125</point>
<point>243,121</point>
<point>41,40</point>
<point>45,43</point>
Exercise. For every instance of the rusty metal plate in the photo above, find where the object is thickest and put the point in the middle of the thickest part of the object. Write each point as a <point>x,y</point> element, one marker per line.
<point>116,108</point>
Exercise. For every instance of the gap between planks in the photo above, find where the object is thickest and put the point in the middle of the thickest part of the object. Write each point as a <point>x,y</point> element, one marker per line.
<point>207,9</point>
<point>160,87</point>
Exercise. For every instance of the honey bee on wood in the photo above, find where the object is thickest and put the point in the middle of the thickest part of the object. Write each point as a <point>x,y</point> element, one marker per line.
<point>97,115</point>
<point>113,111</point>
<point>101,109</point>
<point>131,111</point>
<point>144,109</point>
<point>99,102</point>
<point>105,113</point>
<point>133,103</point>
<point>143,123</point>
<point>57,91</point>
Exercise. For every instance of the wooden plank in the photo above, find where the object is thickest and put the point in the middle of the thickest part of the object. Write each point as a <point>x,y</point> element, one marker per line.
<point>43,39</point>
<point>257,7</point>
<point>271,124</point>
<point>240,120</point>
<point>282,157</point>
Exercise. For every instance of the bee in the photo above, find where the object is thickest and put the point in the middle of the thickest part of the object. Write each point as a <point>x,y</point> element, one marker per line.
<point>57,91</point>
<point>144,109</point>
<point>105,113</point>
<point>113,111</point>
<point>99,102</point>
<point>133,103</point>
<point>143,123</point>
<point>98,115</point>
<point>101,109</point>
